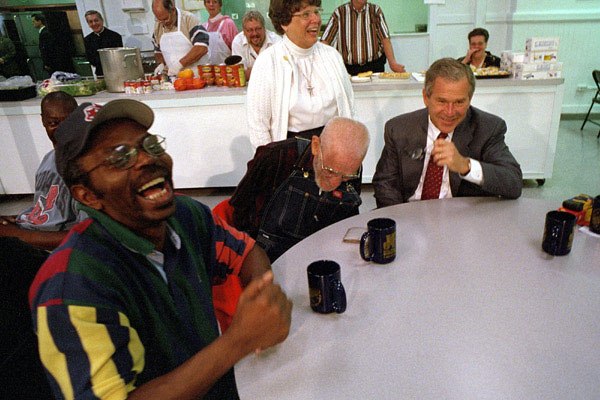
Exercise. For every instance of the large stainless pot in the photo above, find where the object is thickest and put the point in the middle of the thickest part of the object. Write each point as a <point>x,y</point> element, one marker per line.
<point>120,64</point>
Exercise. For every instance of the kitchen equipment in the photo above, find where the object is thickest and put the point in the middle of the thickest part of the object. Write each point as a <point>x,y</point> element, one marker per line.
<point>120,64</point>
<point>232,60</point>
<point>20,94</point>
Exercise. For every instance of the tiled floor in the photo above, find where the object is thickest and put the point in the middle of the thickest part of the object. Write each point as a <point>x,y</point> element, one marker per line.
<point>576,170</point>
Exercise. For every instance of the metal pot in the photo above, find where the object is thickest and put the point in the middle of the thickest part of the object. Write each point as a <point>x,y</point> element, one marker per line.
<point>120,64</point>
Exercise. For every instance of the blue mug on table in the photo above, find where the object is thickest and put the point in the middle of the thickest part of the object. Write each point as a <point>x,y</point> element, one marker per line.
<point>325,287</point>
<point>559,230</point>
<point>378,244</point>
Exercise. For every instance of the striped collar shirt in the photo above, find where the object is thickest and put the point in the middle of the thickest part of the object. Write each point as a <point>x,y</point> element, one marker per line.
<point>357,35</point>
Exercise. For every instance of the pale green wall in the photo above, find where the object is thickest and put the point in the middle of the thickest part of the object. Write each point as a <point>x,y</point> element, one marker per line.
<point>554,5</point>
<point>400,15</point>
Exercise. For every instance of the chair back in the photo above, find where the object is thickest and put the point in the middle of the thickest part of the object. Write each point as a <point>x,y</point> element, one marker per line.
<point>596,75</point>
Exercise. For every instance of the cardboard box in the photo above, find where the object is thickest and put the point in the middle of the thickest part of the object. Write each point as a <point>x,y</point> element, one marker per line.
<point>517,56</point>
<point>554,74</point>
<point>537,75</point>
<point>542,44</point>
<point>547,56</point>
<point>531,75</point>
<point>533,67</point>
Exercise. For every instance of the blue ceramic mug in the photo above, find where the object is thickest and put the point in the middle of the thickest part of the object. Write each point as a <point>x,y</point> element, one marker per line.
<point>378,244</point>
<point>595,218</point>
<point>558,233</point>
<point>325,287</point>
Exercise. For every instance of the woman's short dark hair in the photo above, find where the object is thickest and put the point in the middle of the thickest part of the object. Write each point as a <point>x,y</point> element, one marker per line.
<point>280,11</point>
<point>479,32</point>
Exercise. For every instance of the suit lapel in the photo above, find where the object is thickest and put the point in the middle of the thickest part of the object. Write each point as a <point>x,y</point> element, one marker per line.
<point>463,134</point>
<point>412,169</point>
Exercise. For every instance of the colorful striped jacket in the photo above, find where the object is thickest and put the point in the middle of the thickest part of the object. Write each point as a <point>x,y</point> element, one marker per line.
<point>106,319</point>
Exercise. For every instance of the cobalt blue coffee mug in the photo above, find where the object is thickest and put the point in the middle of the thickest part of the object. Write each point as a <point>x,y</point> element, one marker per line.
<point>325,287</point>
<point>558,233</point>
<point>378,244</point>
<point>595,218</point>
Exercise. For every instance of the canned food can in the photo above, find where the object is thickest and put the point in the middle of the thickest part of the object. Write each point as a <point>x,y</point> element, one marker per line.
<point>207,73</point>
<point>235,75</point>
<point>220,75</point>
<point>139,87</point>
<point>129,88</point>
<point>155,82</point>
<point>147,87</point>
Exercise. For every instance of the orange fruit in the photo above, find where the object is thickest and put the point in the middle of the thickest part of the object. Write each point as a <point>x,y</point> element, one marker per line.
<point>179,85</point>
<point>195,84</point>
<point>186,73</point>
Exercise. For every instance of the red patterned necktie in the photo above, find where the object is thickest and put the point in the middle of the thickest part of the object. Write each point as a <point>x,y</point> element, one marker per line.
<point>433,177</point>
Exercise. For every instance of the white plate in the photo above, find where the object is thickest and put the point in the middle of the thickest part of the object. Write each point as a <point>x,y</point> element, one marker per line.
<point>358,79</point>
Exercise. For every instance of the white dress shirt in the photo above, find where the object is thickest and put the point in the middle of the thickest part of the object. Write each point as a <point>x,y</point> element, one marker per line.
<point>475,175</point>
<point>241,47</point>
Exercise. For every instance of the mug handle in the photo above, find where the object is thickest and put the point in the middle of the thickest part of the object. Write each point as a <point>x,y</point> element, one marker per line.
<point>365,242</point>
<point>339,297</point>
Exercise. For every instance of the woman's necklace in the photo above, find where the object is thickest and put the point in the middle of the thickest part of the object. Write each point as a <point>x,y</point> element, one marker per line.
<point>308,78</point>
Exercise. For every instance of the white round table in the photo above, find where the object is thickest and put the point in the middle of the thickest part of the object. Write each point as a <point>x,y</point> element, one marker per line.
<point>471,308</point>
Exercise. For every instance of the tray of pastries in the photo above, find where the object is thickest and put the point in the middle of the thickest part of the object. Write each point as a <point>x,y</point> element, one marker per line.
<point>490,73</point>
<point>393,75</point>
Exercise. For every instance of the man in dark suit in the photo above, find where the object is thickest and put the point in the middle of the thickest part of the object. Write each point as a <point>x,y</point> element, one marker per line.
<point>100,38</point>
<point>54,56</point>
<point>465,145</point>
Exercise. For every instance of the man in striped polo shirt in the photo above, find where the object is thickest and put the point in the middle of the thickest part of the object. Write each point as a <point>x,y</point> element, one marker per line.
<point>358,31</point>
<point>123,307</point>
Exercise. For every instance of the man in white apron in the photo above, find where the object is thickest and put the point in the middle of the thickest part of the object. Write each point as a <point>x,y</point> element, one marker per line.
<point>179,39</point>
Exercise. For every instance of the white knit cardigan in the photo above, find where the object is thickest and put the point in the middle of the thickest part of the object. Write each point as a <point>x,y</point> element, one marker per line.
<point>271,83</point>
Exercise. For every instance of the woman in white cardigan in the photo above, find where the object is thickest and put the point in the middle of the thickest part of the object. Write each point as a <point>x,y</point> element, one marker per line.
<point>298,84</point>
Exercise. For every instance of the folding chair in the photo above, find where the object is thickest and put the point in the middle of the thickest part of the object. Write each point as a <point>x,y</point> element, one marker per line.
<point>596,99</point>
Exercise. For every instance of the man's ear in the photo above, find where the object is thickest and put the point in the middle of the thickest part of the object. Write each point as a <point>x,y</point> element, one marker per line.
<point>86,196</point>
<point>314,145</point>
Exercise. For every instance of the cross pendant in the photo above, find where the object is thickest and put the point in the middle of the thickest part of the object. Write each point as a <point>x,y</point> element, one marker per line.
<point>310,89</point>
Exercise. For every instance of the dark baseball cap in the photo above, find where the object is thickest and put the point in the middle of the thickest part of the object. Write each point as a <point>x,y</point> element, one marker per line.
<point>73,133</point>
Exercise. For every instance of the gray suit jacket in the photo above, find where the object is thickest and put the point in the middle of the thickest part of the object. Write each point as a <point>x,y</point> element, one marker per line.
<point>479,136</point>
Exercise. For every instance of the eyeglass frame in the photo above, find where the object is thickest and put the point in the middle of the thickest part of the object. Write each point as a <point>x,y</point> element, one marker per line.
<point>133,153</point>
<point>306,14</point>
<point>336,173</point>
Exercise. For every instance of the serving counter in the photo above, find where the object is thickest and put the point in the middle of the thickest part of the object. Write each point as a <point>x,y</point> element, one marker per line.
<point>207,136</point>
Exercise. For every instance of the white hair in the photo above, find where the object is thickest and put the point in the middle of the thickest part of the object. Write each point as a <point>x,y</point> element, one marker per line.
<point>346,135</point>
